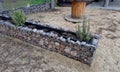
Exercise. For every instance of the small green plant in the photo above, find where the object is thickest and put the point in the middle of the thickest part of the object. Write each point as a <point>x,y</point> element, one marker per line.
<point>18,17</point>
<point>83,32</point>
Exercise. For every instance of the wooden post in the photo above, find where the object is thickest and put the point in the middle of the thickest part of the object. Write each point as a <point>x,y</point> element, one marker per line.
<point>1,7</point>
<point>78,9</point>
<point>52,4</point>
<point>106,3</point>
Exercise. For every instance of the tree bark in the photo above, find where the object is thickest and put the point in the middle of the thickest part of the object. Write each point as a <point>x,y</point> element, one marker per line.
<point>78,9</point>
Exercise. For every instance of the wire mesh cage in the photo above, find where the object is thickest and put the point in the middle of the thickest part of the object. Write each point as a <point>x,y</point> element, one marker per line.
<point>11,4</point>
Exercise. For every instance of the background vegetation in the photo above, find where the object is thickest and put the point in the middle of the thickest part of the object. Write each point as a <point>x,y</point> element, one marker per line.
<point>9,4</point>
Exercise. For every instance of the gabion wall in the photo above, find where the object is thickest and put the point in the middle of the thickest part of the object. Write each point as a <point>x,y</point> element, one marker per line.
<point>80,51</point>
<point>31,9</point>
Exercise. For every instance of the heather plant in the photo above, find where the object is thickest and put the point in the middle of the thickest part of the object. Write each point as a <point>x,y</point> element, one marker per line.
<point>18,17</point>
<point>83,32</point>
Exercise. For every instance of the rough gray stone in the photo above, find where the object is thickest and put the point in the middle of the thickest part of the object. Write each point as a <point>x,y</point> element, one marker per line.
<point>63,39</point>
<point>72,41</point>
<point>73,53</point>
<point>68,39</point>
<point>51,34</point>
<point>41,31</point>
<point>95,41</point>
<point>78,42</point>
<point>48,34</point>
<point>34,30</point>
<point>55,35</point>
<point>50,46</point>
<point>83,43</point>
<point>57,44</point>
<point>67,50</point>
<point>41,42</point>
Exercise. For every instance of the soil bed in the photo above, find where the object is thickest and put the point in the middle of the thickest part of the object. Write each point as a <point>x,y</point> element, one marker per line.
<point>47,28</point>
<point>63,33</point>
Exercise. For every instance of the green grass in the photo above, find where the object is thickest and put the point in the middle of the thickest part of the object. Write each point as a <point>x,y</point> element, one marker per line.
<point>8,4</point>
<point>34,2</point>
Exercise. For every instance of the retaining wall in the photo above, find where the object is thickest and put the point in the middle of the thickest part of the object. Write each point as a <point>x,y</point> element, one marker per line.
<point>80,51</point>
<point>31,9</point>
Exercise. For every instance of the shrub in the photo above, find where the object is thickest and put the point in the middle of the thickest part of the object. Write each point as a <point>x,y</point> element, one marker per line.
<point>83,32</point>
<point>18,17</point>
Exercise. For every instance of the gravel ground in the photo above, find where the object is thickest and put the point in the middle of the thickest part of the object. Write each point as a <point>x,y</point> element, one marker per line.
<point>18,56</point>
<point>103,22</point>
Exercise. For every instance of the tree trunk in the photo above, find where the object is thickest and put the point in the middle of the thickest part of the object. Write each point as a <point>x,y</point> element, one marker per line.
<point>78,9</point>
<point>106,3</point>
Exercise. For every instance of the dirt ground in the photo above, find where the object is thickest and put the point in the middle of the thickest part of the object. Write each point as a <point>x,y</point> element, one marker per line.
<point>103,22</point>
<point>19,56</point>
